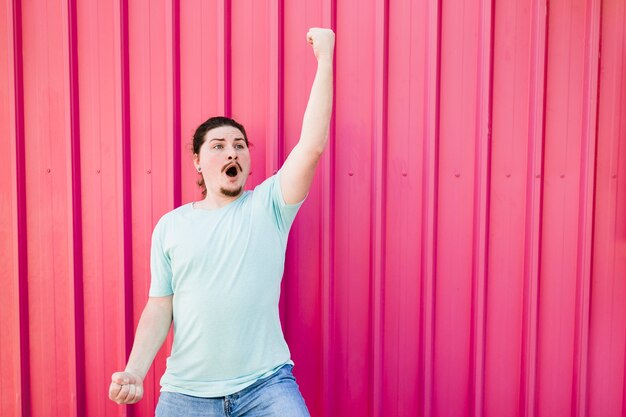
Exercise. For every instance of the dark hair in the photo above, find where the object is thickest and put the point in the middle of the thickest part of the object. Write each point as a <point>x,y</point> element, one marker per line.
<point>201,131</point>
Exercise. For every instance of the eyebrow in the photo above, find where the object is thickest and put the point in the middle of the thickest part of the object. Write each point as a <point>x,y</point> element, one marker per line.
<point>223,140</point>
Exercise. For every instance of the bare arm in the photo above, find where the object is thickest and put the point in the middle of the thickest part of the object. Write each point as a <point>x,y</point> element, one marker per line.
<point>154,325</point>
<point>299,168</point>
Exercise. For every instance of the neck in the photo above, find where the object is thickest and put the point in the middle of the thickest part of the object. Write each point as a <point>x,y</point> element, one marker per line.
<point>215,201</point>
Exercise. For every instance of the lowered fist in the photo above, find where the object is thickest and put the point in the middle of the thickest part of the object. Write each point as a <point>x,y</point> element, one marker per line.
<point>125,388</point>
<point>322,41</point>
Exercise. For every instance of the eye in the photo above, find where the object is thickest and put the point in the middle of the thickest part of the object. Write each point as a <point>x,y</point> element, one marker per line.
<point>239,146</point>
<point>218,146</point>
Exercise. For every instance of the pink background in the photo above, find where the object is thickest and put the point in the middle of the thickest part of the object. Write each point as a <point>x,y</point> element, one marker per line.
<point>462,251</point>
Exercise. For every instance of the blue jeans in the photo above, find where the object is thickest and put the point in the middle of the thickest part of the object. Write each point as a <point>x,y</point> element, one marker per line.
<point>277,395</point>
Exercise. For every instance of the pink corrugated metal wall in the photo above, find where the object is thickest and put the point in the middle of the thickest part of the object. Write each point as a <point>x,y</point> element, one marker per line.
<point>462,251</point>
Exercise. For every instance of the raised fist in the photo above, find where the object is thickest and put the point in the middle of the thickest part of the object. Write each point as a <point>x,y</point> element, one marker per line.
<point>322,41</point>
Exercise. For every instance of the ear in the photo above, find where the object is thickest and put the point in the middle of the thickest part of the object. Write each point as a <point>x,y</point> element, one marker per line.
<point>196,160</point>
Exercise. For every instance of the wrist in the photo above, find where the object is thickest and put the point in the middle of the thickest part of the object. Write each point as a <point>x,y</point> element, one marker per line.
<point>135,372</point>
<point>325,61</point>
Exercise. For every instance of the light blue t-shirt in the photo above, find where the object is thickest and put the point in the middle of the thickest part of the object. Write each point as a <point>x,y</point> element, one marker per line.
<point>224,269</point>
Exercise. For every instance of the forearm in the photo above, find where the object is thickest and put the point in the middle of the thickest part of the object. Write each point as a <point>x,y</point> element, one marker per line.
<point>153,327</point>
<point>316,119</point>
<point>299,167</point>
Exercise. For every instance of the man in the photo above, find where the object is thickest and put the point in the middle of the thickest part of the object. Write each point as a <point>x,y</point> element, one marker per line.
<point>216,268</point>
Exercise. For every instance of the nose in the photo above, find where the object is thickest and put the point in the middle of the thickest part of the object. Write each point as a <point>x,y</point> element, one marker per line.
<point>232,154</point>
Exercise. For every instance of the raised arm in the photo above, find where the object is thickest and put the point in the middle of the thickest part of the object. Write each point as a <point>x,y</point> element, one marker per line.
<point>297,173</point>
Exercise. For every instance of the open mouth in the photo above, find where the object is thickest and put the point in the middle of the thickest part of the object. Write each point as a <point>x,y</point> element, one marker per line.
<point>231,171</point>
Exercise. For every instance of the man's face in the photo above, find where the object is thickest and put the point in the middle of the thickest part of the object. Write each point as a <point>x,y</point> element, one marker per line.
<point>224,160</point>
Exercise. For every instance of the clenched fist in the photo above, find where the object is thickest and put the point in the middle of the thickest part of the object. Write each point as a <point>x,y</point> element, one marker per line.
<point>322,41</point>
<point>125,388</point>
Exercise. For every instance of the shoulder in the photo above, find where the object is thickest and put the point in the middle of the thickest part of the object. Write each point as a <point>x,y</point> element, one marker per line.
<point>171,217</point>
<point>266,184</point>
<point>263,190</point>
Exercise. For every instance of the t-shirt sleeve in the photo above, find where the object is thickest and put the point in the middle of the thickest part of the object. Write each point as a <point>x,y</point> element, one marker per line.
<point>271,194</point>
<point>160,266</point>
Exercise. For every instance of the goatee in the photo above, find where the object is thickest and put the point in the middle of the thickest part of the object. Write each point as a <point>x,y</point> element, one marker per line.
<point>231,193</point>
